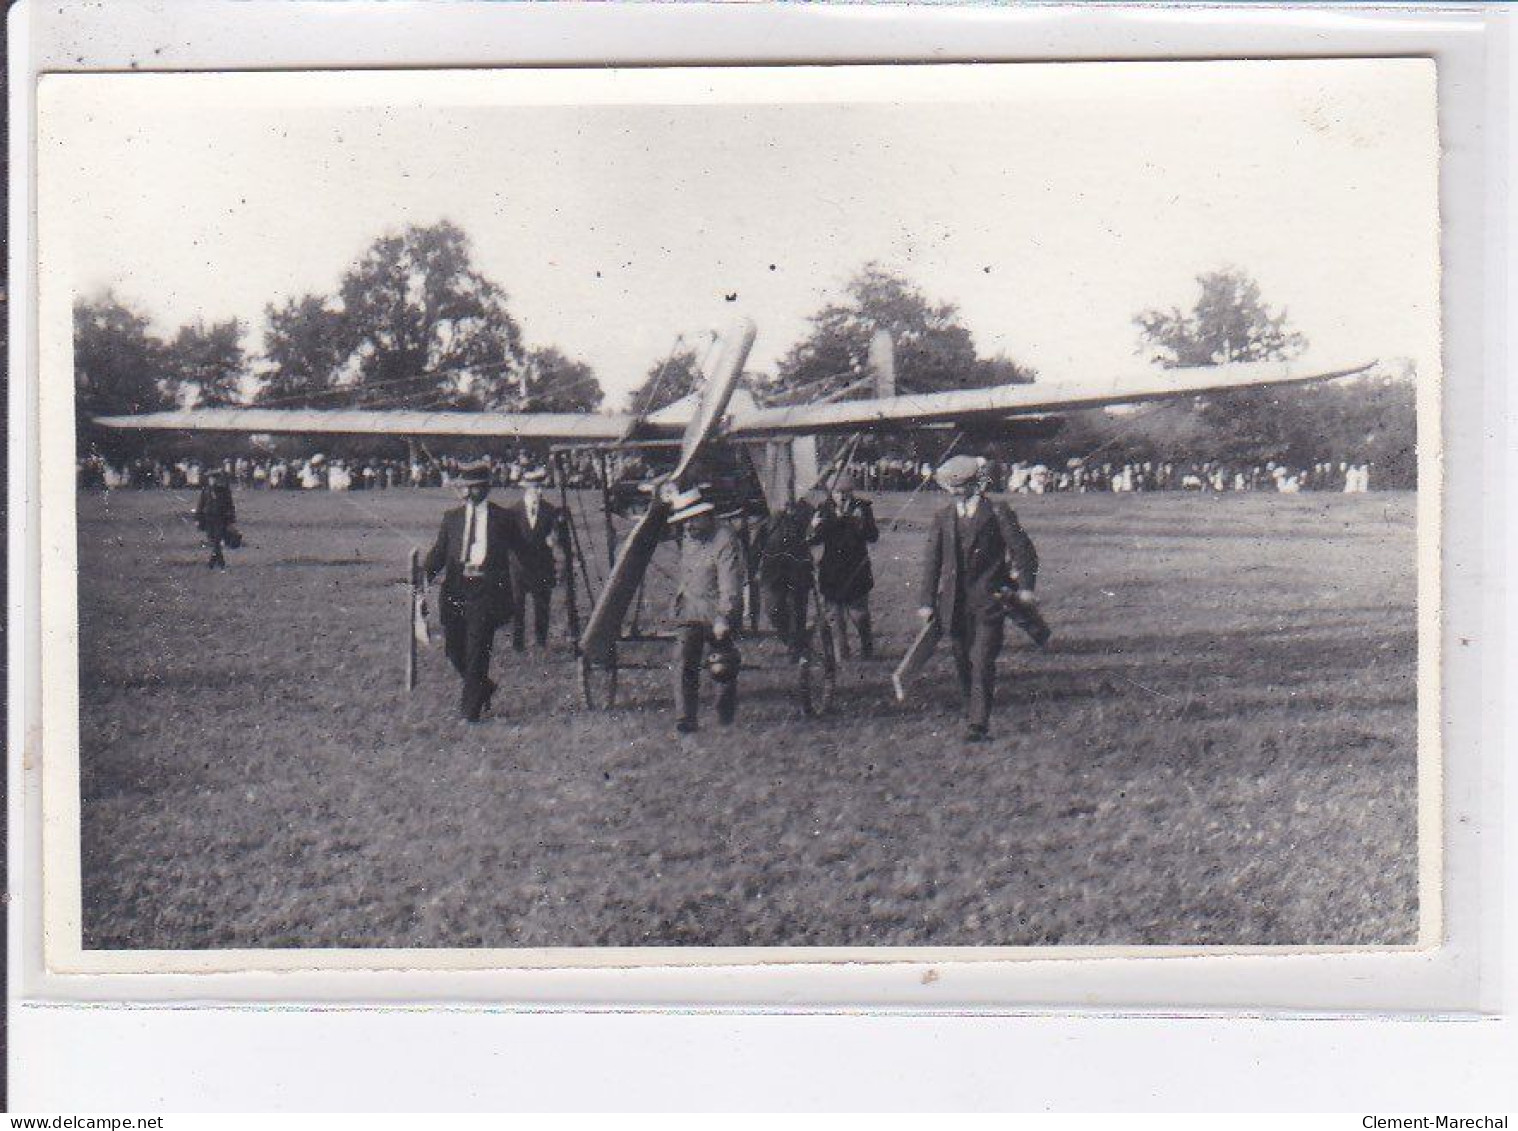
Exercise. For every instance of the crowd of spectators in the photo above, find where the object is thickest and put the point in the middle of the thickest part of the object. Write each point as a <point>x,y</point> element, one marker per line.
<point>314,473</point>
<point>318,472</point>
<point>1212,476</point>
<point>1087,476</point>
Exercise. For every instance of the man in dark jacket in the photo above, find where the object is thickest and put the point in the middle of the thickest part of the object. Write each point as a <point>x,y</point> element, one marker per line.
<point>845,527</point>
<point>473,552</point>
<point>977,556</point>
<point>216,515</point>
<point>544,529</point>
<point>786,572</point>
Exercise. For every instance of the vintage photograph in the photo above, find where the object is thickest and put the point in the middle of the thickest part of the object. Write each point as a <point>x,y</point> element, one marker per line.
<point>876,507</point>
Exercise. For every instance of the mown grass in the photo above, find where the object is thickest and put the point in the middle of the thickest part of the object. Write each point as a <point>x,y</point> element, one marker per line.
<point>1219,747</point>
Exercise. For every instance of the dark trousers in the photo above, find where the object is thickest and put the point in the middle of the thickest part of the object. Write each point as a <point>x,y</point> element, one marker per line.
<point>216,535</point>
<point>540,600</point>
<point>468,637</point>
<point>691,641</point>
<point>977,643</point>
<point>787,602</point>
<point>840,614</point>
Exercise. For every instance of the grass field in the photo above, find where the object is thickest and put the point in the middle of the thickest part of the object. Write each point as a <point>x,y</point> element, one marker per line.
<point>1219,747</point>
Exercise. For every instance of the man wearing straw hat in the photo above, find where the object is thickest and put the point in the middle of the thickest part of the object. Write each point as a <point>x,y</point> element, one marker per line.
<point>978,560</point>
<point>543,529</point>
<point>708,607</point>
<point>473,552</point>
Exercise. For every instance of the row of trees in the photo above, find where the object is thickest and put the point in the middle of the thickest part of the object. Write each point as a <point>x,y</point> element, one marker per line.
<point>413,324</point>
<point>934,351</point>
<point>1372,420</point>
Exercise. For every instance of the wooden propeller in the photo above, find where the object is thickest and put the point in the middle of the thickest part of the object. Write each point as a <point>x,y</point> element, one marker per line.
<point>598,642</point>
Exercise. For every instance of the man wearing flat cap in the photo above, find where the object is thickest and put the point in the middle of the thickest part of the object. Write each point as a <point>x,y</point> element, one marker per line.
<point>978,559</point>
<point>473,552</point>
<point>544,530</point>
<point>708,608</point>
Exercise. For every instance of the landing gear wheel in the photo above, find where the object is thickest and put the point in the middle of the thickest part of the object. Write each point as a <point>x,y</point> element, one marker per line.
<point>598,683</point>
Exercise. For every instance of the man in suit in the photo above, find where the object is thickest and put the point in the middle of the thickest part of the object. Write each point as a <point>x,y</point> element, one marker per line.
<point>845,528</point>
<point>708,607</point>
<point>216,515</point>
<point>473,552</point>
<point>978,561</point>
<point>786,572</point>
<point>543,529</point>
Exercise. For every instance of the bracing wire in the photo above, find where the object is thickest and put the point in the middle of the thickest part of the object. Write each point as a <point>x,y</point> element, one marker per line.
<point>657,384</point>
<point>359,389</point>
<point>921,483</point>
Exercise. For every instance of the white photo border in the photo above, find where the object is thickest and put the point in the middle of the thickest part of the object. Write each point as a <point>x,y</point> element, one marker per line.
<point>1454,976</point>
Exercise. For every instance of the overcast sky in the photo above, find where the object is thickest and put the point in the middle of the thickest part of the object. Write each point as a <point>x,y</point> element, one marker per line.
<point>1051,203</point>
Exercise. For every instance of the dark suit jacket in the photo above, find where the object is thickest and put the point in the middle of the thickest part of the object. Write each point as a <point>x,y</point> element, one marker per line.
<point>966,562</point>
<point>785,559</point>
<point>844,572</point>
<point>492,594</point>
<point>215,508</point>
<point>534,558</point>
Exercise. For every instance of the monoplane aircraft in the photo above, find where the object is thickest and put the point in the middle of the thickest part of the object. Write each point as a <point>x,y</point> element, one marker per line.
<point>780,441</point>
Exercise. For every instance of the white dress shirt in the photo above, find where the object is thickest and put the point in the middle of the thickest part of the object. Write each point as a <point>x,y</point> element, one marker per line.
<point>476,534</point>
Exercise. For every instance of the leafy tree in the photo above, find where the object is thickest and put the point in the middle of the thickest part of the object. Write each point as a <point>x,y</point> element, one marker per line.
<point>1384,419</point>
<point>206,364</point>
<point>413,325</point>
<point>1229,322</point>
<point>120,366</point>
<point>553,383</point>
<point>1371,419</point>
<point>668,380</point>
<point>304,353</point>
<point>1002,370</point>
<point>556,383</point>
<point>933,351</point>
<point>421,327</point>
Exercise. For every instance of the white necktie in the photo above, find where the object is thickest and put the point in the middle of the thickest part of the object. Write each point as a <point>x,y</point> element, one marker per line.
<point>474,549</point>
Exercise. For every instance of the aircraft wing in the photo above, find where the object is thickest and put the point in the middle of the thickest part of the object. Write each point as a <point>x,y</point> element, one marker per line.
<point>1002,401</point>
<point>381,422</point>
